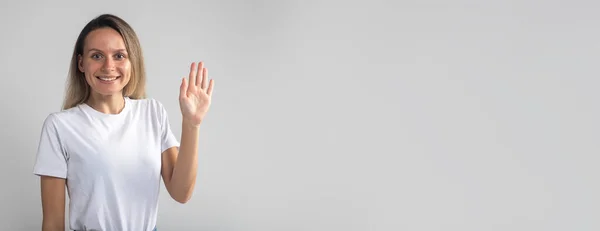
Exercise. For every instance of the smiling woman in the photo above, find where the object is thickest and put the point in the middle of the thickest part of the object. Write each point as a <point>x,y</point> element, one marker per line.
<point>104,62</point>
<point>106,46</point>
<point>110,145</point>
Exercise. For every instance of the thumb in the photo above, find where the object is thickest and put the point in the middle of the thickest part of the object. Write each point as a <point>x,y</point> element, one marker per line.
<point>183,88</point>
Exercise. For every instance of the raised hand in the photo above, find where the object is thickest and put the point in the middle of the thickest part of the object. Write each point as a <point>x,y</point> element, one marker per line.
<point>195,95</point>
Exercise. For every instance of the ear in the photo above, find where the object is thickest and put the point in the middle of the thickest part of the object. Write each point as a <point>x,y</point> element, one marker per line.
<point>80,63</point>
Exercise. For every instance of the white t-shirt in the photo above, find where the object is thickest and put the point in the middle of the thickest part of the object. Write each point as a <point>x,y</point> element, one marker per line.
<point>111,162</point>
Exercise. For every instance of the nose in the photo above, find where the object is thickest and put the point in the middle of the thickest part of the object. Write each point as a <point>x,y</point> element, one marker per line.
<point>109,65</point>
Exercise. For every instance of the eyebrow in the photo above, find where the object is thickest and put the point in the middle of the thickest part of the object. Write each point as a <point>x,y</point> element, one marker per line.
<point>117,50</point>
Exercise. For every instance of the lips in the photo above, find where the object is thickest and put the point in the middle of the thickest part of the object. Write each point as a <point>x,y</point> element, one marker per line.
<point>108,79</point>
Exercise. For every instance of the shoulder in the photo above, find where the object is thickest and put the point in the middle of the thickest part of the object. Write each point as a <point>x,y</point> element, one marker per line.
<point>59,117</point>
<point>149,108</point>
<point>60,123</point>
<point>150,104</point>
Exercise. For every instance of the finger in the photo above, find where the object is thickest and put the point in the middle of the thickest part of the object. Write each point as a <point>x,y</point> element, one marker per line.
<point>204,78</point>
<point>183,88</point>
<point>199,74</point>
<point>192,75</point>
<point>210,87</point>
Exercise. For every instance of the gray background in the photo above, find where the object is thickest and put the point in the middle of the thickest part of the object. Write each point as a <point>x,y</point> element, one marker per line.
<point>398,115</point>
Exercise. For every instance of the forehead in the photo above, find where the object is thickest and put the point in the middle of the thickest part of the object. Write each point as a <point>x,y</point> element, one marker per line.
<point>104,39</point>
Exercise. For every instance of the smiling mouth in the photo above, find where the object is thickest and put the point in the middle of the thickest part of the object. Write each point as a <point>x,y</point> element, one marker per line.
<point>108,79</point>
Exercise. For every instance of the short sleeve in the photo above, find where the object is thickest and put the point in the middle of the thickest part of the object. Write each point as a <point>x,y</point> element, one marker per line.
<point>51,158</point>
<point>167,138</point>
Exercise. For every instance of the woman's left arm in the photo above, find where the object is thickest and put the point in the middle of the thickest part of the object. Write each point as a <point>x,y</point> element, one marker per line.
<point>179,166</point>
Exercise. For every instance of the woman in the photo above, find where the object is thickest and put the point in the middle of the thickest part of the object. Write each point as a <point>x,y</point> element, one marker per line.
<point>110,146</point>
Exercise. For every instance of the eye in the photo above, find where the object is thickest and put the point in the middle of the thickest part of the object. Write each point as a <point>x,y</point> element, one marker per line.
<point>96,56</point>
<point>120,56</point>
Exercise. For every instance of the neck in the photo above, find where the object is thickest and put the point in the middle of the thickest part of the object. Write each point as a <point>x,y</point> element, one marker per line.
<point>108,104</point>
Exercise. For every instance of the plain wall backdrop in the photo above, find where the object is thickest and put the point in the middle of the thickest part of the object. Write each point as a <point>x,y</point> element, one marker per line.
<point>343,115</point>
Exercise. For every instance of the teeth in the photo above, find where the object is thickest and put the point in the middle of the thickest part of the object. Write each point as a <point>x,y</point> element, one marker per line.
<point>107,79</point>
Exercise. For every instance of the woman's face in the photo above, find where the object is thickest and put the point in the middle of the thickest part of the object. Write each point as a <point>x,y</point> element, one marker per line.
<point>105,62</point>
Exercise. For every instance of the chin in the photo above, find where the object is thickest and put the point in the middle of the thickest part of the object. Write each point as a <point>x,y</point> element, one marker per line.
<point>108,85</point>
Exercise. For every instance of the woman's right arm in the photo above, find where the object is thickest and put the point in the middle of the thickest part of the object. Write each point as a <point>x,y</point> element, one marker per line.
<point>53,203</point>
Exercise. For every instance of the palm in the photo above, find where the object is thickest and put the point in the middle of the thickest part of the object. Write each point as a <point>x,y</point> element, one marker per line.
<point>195,95</point>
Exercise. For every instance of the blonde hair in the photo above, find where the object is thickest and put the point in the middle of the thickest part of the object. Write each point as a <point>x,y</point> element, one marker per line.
<point>78,90</point>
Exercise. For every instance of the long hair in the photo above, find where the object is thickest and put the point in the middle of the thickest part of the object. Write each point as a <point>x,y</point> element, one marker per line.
<point>78,90</point>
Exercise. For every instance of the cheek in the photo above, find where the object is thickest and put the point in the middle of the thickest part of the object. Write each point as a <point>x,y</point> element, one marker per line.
<point>90,67</point>
<point>125,69</point>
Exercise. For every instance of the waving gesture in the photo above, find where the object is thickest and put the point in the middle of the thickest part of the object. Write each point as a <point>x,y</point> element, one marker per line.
<point>195,95</point>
